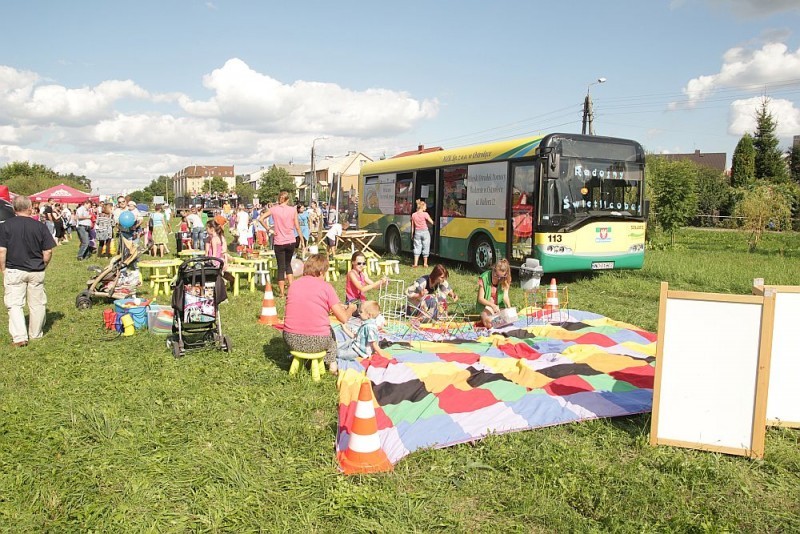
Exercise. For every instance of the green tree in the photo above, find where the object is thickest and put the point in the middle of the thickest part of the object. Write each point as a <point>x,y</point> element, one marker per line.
<point>743,165</point>
<point>215,185</point>
<point>713,194</point>
<point>762,206</point>
<point>769,164</point>
<point>245,192</point>
<point>791,192</point>
<point>273,182</point>
<point>793,155</point>
<point>156,188</point>
<point>25,178</point>
<point>673,192</point>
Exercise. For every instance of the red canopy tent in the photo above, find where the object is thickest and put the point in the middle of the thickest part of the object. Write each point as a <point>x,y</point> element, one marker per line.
<point>64,194</point>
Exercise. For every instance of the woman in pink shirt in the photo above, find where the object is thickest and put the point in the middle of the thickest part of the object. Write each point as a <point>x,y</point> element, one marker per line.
<point>285,223</point>
<point>307,325</point>
<point>420,234</point>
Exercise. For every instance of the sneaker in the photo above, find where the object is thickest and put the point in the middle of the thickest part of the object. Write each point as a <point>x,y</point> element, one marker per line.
<point>19,344</point>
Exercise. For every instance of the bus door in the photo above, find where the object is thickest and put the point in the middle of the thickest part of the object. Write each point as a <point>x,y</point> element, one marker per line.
<point>523,201</point>
<point>426,189</point>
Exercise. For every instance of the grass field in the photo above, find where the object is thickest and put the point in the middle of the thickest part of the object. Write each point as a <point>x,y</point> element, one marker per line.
<point>121,437</point>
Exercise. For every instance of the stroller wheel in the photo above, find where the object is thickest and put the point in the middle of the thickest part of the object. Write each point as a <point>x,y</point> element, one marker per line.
<point>177,349</point>
<point>226,344</point>
<point>83,301</point>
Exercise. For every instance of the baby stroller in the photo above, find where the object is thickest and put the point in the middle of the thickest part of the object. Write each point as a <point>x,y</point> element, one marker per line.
<point>197,293</point>
<point>119,279</point>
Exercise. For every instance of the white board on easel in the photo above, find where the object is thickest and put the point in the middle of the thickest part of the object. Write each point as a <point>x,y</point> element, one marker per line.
<point>783,399</point>
<point>712,371</point>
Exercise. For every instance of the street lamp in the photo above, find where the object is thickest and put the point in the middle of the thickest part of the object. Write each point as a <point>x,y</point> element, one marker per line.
<point>314,170</point>
<point>588,113</point>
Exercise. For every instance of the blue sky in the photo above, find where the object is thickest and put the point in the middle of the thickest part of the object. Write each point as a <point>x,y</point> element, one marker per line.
<point>124,92</point>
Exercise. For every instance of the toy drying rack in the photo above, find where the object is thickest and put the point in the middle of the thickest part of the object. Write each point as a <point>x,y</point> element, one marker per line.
<point>536,304</point>
<point>414,324</point>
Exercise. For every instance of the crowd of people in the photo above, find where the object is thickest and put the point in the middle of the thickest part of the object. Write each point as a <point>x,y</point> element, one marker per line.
<point>310,299</point>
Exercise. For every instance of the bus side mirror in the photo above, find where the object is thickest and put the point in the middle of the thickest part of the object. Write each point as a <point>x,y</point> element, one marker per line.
<point>646,213</point>
<point>553,164</point>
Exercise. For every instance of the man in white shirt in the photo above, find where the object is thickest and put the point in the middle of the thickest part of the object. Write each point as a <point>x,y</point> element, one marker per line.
<point>333,233</point>
<point>196,227</point>
<point>66,215</point>
<point>242,225</point>
<point>119,208</point>
<point>84,218</point>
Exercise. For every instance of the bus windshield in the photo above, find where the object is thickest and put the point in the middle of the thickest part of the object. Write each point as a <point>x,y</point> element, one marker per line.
<point>590,188</point>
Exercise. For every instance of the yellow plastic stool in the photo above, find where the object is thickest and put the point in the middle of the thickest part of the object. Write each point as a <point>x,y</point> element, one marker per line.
<point>372,265</point>
<point>161,284</point>
<point>317,365</point>
<point>342,262</point>
<point>389,267</point>
<point>332,274</point>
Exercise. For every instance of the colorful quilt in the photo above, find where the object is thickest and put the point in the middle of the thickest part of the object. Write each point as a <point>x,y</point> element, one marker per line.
<point>440,393</point>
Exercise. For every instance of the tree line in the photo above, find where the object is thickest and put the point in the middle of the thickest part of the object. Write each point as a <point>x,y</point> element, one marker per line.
<point>273,181</point>
<point>762,192</point>
<point>25,178</point>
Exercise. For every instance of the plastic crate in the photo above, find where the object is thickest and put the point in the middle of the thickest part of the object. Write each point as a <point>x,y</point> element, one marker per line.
<point>159,319</point>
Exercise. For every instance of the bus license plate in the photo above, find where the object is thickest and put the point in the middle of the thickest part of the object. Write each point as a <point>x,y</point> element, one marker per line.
<point>599,265</point>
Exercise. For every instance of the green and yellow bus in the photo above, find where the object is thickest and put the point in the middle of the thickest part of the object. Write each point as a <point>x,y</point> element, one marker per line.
<point>574,202</point>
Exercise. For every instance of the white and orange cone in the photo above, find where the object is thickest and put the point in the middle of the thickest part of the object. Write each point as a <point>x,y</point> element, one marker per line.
<point>364,453</point>
<point>269,314</point>
<point>551,305</point>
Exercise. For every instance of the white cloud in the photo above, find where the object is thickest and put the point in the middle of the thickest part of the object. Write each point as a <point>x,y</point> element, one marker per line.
<point>22,98</point>
<point>784,112</point>
<point>165,133</point>
<point>244,97</point>
<point>747,69</point>
<point>756,8</point>
<point>250,120</point>
<point>745,8</point>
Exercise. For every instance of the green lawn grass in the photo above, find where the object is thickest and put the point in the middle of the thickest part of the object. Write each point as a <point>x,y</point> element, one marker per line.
<point>121,437</point>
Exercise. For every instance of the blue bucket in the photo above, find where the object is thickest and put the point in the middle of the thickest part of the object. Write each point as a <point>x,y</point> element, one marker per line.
<point>137,310</point>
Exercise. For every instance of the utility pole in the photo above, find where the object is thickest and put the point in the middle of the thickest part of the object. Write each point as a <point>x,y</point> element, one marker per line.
<point>588,115</point>
<point>314,169</point>
<point>588,112</point>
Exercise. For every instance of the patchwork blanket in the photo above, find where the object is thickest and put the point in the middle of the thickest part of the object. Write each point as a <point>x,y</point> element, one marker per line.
<point>440,393</point>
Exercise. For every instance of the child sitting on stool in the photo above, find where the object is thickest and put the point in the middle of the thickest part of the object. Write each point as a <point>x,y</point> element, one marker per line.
<point>365,341</point>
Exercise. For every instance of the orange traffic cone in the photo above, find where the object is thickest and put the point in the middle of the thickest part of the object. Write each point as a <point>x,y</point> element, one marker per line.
<point>269,314</point>
<point>364,453</point>
<point>551,304</point>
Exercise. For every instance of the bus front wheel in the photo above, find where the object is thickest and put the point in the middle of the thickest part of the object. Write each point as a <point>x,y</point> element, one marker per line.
<point>393,244</point>
<point>481,253</point>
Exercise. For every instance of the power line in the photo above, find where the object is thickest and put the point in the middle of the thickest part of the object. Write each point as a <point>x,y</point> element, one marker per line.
<point>505,126</point>
<point>667,102</point>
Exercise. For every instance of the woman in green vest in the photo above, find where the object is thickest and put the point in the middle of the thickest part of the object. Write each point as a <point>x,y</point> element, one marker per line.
<point>493,291</point>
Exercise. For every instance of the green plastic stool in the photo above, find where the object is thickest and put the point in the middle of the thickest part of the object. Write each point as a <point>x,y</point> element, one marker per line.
<point>317,365</point>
